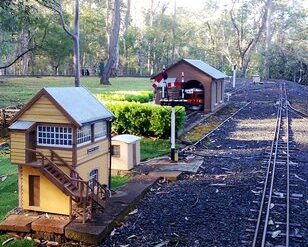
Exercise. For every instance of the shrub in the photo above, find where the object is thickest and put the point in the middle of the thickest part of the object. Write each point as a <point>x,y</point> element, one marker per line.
<point>138,96</point>
<point>144,119</point>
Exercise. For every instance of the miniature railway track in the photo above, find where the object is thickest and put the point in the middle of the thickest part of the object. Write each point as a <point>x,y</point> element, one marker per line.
<point>272,224</point>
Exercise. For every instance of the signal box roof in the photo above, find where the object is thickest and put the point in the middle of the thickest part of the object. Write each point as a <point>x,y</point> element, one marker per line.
<point>77,103</point>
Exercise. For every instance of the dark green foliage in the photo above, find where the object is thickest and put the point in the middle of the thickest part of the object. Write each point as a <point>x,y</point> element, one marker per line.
<point>144,119</point>
<point>140,96</point>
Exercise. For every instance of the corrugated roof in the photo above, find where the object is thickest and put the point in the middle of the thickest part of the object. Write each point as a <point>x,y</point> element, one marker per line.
<point>79,103</point>
<point>126,138</point>
<point>21,125</point>
<point>215,73</point>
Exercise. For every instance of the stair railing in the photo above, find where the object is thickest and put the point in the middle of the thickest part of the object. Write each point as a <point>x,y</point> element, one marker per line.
<point>91,189</point>
<point>73,172</point>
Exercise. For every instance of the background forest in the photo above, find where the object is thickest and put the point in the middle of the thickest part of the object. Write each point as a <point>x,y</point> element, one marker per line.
<point>268,37</point>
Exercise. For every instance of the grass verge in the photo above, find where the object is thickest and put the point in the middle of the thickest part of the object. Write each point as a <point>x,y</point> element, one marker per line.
<point>117,181</point>
<point>16,242</point>
<point>8,187</point>
<point>151,148</point>
<point>209,124</point>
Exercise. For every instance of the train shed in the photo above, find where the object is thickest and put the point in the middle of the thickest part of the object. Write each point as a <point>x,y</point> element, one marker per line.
<point>202,85</point>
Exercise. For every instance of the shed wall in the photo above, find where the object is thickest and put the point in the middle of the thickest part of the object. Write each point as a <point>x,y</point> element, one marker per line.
<point>217,94</point>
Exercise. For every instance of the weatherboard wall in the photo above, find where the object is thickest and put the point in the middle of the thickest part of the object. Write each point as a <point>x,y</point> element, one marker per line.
<point>18,145</point>
<point>45,111</point>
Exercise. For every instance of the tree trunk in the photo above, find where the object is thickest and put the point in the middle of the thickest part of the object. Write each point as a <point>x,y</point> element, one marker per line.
<point>113,44</point>
<point>127,22</point>
<point>24,60</point>
<point>250,48</point>
<point>75,38</point>
<point>149,55</point>
<point>268,41</point>
<point>173,33</point>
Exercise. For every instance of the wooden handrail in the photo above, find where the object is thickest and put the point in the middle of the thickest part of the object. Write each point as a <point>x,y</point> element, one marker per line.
<point>92,189</point>
<point>49,161</point>
<point>72,170</point>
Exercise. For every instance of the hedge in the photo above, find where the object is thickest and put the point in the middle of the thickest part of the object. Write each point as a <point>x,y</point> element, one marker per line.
<point>144,119</point>
<point>139,96</point>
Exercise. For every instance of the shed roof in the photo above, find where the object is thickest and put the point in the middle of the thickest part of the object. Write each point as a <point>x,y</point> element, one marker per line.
<point>200,65</point>
<point>126,138</point>
<point>21,125</point>
<point>79,103</point>
<point>208,69</point>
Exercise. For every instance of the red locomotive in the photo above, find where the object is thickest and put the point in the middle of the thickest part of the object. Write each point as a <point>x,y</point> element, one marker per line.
<point>195,98</point>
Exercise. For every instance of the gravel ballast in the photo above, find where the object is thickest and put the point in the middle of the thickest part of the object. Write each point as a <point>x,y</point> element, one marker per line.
<point>211,207</point>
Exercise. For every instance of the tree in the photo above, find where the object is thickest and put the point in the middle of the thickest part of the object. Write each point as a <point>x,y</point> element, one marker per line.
<point>18,32</point>
<point>125,38</point>
<point>113,44</point>
<point>56,5</point>
<point>268,37</point>
<point>247,47</point>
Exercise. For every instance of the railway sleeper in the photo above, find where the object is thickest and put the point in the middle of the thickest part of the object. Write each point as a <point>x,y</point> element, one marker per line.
<point>279,197</point>
<point>276,222</point>
<point>284,234</point>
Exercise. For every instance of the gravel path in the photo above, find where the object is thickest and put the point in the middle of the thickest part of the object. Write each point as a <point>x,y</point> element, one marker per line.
<point>211,207</point>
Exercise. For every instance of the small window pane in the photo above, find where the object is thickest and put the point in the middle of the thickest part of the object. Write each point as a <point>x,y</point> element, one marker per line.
<point>84,134</point>
<point>50,135</point>
<point>100,130</point>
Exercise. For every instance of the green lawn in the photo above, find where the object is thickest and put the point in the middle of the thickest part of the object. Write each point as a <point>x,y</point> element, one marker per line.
<point>14,91</point>
<point>151,148</point>
<point>8,187</point>
<point>117,181</point>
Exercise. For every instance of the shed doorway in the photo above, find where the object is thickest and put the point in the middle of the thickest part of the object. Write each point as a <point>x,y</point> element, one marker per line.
<point>194,93</point>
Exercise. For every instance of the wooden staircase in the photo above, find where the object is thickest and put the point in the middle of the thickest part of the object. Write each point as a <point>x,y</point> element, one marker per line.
<point>87,195</point>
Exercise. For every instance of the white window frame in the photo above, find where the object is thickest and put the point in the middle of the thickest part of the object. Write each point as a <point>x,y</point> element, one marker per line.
<point>83,134</point>
<point>100,133</point>
<point>54,133</point>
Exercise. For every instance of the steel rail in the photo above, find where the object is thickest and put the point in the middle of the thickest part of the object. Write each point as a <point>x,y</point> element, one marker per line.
<point>272,177</point>
<point>267,178</point>
<point>288,171</point>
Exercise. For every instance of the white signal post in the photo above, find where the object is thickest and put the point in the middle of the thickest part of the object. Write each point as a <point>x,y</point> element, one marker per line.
<point>234,75</point>
<point>173,153</point>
